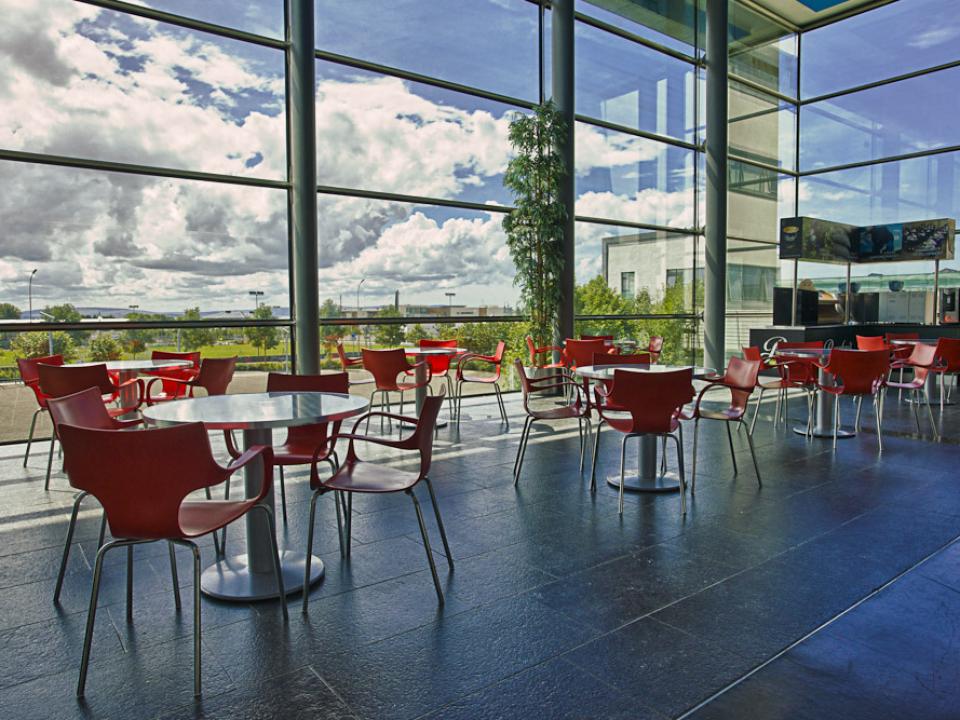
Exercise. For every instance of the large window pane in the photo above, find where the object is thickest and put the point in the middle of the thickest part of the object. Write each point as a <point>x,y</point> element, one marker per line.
<point>108,86</point>
<point>751,274</point>
<point>376,132</point>
<point>422,251</point>
<point>667,22</point>
<point>624,177</point>
<point>263,17</point>
<point>762,128</point>
<point>903,117</point>
<point>891,40</point>
<point>111,240</point>
<point>757,198</point>
<point>489,44</point>
<point>762,51</point>
<point>629,84</point>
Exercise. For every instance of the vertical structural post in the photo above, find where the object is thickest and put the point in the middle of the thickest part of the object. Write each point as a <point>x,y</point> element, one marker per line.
<point>302,164</point>
<point>715,269</point>
<point>563,32</point>
<point>936,293</point>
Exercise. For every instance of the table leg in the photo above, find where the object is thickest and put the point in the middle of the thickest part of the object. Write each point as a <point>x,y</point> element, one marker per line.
<point>422,390</point>
<point>647,479</point>
<point>128,395</point>
<point>250,576</point>
<point>824,413</point>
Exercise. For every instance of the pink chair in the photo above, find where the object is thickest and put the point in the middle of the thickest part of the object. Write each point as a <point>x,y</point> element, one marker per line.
<point>922,359</point>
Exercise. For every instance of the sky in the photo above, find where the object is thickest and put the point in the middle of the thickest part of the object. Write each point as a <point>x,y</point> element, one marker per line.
<point>86,82</point>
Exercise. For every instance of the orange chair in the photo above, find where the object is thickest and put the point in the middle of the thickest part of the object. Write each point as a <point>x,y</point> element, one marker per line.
<point>535,352</point>
<point>922,359</point>
<point>655,347</point>
<point>142,480</point>
<point>175,373</point>
<point>31,378</point>
<point>654,403</point>
<point>947,363</point>
<point>900,352</point>
<point>578,353</point>
<point>607,339</point>
<point>496,360</point>
<point>214,376</point>
<point>872,342</point>
<point>440,366</point>
<point>857,373</point>
<point>348,363</point>
<point>358,476</point>
<point>386,366</point>
<point>739,380</point>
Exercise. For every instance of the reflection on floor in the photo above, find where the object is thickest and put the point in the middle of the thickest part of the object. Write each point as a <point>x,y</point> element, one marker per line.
<point>558,607</point>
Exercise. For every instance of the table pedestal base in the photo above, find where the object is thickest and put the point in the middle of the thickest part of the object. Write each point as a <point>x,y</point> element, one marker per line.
<point>825,432</point>
<point>667,483</point>
<point>232,579</point>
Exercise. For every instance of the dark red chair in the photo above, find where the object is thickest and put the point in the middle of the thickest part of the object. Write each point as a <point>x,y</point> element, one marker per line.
<point>536,352</point>
<point>794,371</point>
<point>496,360</point>
<point>577,409</point>
<point>857,373</point>
<point>440,365</point>
<point>739,381</point>
<point>214,377</point>
<point>872,342</point>
<point>607,339</point>
<point>85,409</point>
<point>357,476</point>
<point>142,480</point>
<point>922,359</point>
<point>947,363</point>
<point>579,353</point>
<point>653,403</point>
<point>348,363</point>
<point>181,374</point>
<point>31,378</point>
<point>655,347</point>
<point>304,444</point>
<point>386,366</point>
<point>605,359</point>
<point>799,372</point>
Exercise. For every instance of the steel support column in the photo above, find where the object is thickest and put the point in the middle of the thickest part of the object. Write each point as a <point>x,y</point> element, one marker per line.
<point>302,170</point>
<point>563,63</point>
<point>715,268</point>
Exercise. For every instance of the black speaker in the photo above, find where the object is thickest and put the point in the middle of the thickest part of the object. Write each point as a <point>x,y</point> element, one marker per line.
<point>807,306</point>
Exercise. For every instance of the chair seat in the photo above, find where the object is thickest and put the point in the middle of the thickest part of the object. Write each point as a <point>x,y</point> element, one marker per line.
<point>358,476</point>
<point>362,381</point>
<point>725,414</point>
<point>915,384</point>
<point>625,424</point>
<point>199,517</point>
<point>560,413</point>
<point>120,412</point>
<point>552,366</point>
<point>773,385</point>
<point>296,453</point>
<point>471,377</point>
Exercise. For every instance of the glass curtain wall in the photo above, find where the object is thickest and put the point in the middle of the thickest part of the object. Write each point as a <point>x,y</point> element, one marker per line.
<point>877,140</point>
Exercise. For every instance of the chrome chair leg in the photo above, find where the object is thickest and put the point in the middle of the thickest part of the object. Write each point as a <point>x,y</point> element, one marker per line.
<point>66,546</point>
<point>836,419</point>
<point>596,451</point>
<point>916,410</point>
<point>92,613</point>
<point>443,532</point>
<point>283,496</point>
<point>277,571</point>
<point>683,483</point>
<point>426,545</point>
<point>877,400</point>
<point>310,524</point>
<point>933,424</point>
<point>129,583</point>
<point>693,476</point>
<point>856,421</point>
<point>459,394</point>
<point>452,395</point>
<point>503,408</point>
<point>623,459</point>
<point>521,449</point>
<point>733,454</point>
<point>753,455</point>
<point>756,412</point>
<point>103,530</point>
<point>340,520</point>
<point>580,429</point>
<point>53,441</point>
<point>174,577</point>
<point>197,645</point>
<point>33,426</point>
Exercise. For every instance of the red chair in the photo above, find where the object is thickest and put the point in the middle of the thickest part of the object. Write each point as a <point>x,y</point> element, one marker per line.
<point>85,409</point>
<point>655,347</point>
<point>795,372</point>
<point>537,351</point>
<point>63,380</point>
<point>142,480</point>
<point>214,377</point>
<point>496,360</point>
<point>947,363</point>
<point>358,476</point>
<point>348,363</point>
<point>175,373</point>
<point>857,373</point>
<point>872,342</point>
<point>900,352</point>
<point>386,366</point>
<point>577,409</point>
<point>31,378</point>
<point>800,372</point>
<point>608,339</point>
<point>440,365</point>
<point>739,380</point>
<point>654,403</point>
<point>304,444</point>
<point>922,359</point>
<point>579,353</point>
<point>604,359</point>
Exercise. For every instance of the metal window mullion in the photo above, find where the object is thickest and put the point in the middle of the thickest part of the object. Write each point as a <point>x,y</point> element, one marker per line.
<point>881,161</point>
<point>636,225</point>
<point>412,199</point>
<point>627,130</point>
<point>761,88</point>
<point>633,37</point>
<point>880,83</point>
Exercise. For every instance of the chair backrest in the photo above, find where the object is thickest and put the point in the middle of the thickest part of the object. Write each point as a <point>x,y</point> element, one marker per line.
<point>608,359</point>
<point>345,362</point>
<point>890,337</point>
<point>605,338</point>
<point>922,355</point>
<point>193,357</point>
<point>498,353</point>
<point>439,364</point>
<point>31,376</point>
<point>82,409</point>
<point>752,353</point>
<point>655,345</point>
<point>532,349</point>
<point>61,380</point>
<point>741,377</point>
<point>580,352</point>
<point>860,372</point>
<point>215,374</point>
<point>652,399</point>
<point>385,365</point>
<point>948,353</point>
<point>872,342</point>
<point>315,434</point>
<point>422,437</point>
<point>141,478</point>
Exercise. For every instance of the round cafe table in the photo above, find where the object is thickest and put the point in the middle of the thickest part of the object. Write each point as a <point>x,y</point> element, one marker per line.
<point>128,369</point>
<point>823,426</point>
<point>420,355</point>
<point>647,479</point>
<point>250,576</point>
<point>932,384</point>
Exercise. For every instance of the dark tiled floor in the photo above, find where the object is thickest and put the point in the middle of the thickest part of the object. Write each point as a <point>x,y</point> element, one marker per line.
<point>558,607</point>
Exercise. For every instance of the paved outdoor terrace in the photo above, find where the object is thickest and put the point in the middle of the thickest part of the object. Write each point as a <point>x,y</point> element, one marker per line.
<point>832,592</point>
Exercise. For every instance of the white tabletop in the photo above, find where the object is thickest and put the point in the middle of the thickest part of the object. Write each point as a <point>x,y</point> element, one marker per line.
<point>133,365</point>
<point>605,372</point>
<point>254,411</point>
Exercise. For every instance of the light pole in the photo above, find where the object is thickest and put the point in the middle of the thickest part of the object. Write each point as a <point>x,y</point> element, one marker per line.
<point>257,294</point>
<point>450,296</point>
<point>51,318</point>
<point>30,294</point>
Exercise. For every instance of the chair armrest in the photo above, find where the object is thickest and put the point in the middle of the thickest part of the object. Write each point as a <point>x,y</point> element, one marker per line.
<point>231,446</point>
<point>548,348</point>
<point>124,424</point>
<point>377,413</point>
<point>413,369</point>
<point>712,385</point>
<point>249,456</point>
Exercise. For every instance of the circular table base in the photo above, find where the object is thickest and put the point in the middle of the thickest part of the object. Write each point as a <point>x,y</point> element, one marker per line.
<point>670,482</point>
<point>231,579</point>
<point>825,433</point>
<point>934,403</point>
